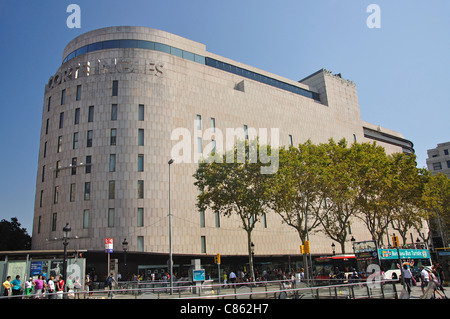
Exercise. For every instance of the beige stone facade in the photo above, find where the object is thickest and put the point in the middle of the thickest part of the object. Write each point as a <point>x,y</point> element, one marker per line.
<point>174,84</point>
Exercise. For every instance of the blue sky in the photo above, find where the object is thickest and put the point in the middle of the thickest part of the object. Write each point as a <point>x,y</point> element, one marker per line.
<point>401,70</point>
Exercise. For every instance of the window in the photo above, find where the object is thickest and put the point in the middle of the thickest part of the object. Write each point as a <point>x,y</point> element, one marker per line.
<point>113,112</point>
<point>199,122</point>
<point>78,92</point>
<point>203,244</point>
<point>87,190</point>
<point>113,136</point>
<point>72,192</point>
<point>217,218</point>
<point>112,189</point>
<point>140,217</point>
<point>199,144</point>
<point>43,173</point>
<point>112,162</point>
<point>264,220</point>
<point>140,190</point>
<point>202,219</point>
<point>446,152</point>
<point>115,88</point>
<point>41,198</point>
<point>90,135</point>
<point>91,114</point>
<point>48,103</point>
<point>77,116</point>
<point>88,164</point>
<point>56,195</point>
<point>448,164</point>
<point>54,218</point>
<point>86,219</point>
<point>63,97</point>
<point>58,166</point>
<point>437,166</point>
<point>61,120</point>
<point>74,165</point>
<point>246,131</point>
<point>45,149</point>
<point>140,163</point>
<point>141,112</point>
<point>75,141</point>
<point>111,214</point>
<point>213,124</point>
<point>46,127</point>
<point>141,137</point>
<point>59,144</point>
<point>291,142</point>
<point>140,243</point>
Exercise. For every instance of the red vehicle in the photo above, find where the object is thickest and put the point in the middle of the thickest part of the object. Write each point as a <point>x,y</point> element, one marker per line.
<point>339,267</point>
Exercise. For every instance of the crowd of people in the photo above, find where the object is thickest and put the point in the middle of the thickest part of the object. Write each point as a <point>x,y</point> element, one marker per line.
<point>41,287</point>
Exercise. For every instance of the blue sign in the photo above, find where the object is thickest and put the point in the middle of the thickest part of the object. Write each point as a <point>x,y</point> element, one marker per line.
<point>199,275</point>
<point>35,268</point>
<point>404,253</point>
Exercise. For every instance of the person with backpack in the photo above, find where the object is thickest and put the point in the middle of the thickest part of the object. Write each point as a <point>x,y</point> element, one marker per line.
<point>110,282</point>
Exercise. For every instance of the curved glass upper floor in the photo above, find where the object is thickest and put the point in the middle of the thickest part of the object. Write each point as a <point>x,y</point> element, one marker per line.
<point>150,45</point>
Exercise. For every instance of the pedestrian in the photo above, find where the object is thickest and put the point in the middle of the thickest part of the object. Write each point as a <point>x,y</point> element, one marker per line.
<point>16,286</point>
<point>51,288</point>
<point>225,278</point>
<point>441,274</point>
<point>87,284</point>
<point>77,287</point>
<point>232,277</point>
<point>110,282</point>
<point>28,287</point>
<point>434,278</point>
<point>7,286</point>
<point>38,287</point>
<point>59,287</point>
<point>70,286</point>
<point>407,276</point>
<point>424,278</point>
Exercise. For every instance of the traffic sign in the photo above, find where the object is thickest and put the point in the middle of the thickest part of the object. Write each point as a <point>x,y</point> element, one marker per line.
<point>109,243</point>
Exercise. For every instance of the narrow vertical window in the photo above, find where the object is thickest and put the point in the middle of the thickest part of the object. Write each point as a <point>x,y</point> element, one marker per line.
<point>86,219</point>
<point>78,92</point>
<point>57,171</point>
<point>140,163</point>
<point>77,116</point>
<point>87,190</point>
<point>112,162</point>
<point>72,192</point>
<point>41,198</point>
<point>54,218</point>
<point>217,218</point>
<point>202,219</point>
<point>264,220</point>
<point>43,173</point>
<point>199,122</point>
<point>74,165</point>
<point>140,243</point>
<point>246,131</point>
<point>88,164</point>
<point>203,244</point>
<point>199,144</point>
<point>141,137</point>
<point>56,195</point>
<point>213,124</point>
<point>91,114</point>
<point>140,217</point>
<point>61,120</point>
<point>75,141</point>
<point>90,135</point>
<point>140,185</point>
<point>112,190</point>
<point>291,142</point>
<point>46,126</point>
<point>113,136</point>
<point>113,112</point>
<point>59,144</point>
<point>141,111</point>
<point>45,149</point>
<point>49,103</point>
<point>115,88</point>
<point>63,97</point>
<point>111,214</point>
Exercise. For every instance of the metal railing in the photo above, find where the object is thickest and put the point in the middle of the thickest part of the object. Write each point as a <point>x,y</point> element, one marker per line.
<point>279,289</point>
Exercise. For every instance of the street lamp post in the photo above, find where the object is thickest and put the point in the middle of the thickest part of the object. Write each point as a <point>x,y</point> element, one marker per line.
<point>66,231</point>
<point>170,236</point>
<point>333,248</point>
<point>125,248</point>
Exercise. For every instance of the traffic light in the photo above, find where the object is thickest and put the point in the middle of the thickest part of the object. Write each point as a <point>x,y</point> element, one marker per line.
<point>307,248</point>
<point>217,259</point>
<point>395,242</point>
<point>302,249</point>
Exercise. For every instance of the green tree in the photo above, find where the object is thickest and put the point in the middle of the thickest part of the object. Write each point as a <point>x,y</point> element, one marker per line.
<point>339,187</point>
<point>294,191</point>
<point>235,187</point>
<point>12,236</point>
